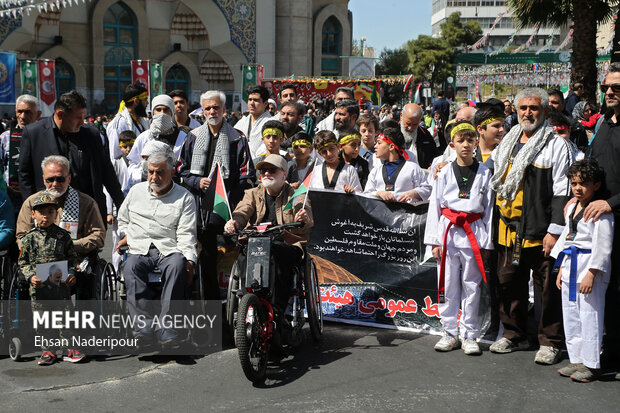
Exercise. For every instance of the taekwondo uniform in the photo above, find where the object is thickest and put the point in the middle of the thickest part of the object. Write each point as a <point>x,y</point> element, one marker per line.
<point>590,244</point>
<point>459,219</point>
<point>407,176</point>
<point>345,174</point>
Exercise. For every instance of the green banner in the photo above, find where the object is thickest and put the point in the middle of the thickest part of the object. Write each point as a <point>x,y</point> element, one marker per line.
<point>28,71</point>
<point>155,79</point>
<point>250,78</point>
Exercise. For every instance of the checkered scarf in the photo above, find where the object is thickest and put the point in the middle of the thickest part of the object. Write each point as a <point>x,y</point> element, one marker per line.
<point>201,149</point>
<point>71,209</point>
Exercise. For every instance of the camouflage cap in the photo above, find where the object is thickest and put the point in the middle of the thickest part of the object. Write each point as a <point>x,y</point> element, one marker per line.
<point>44,199</point>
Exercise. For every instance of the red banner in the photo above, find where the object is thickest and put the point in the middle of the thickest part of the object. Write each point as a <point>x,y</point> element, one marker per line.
<point>47,85</point>
<point>309,91</point>
<point>140,72</point>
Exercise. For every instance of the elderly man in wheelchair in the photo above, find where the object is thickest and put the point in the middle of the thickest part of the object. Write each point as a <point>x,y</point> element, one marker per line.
<point>157,221</point>
<point>267,203</point>
<point>79,214</point>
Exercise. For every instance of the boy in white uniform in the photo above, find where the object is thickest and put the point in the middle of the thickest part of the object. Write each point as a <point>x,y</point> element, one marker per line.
<point>396,179</point>
<point>333,173</point>
<point>458,227</point>
<point>584,282</point>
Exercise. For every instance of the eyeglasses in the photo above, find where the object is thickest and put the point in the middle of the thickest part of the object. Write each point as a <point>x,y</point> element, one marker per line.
<point>271,170</point>
<point>614,88</point>
<point>59,179</point>
<point>533,108</point>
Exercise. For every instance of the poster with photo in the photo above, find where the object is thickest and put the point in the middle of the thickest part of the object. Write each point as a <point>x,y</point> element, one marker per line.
<point>53,272</point>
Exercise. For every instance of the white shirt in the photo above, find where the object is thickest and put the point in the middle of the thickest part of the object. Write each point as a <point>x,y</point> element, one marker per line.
<point>411,176</point>
<point>348,176</point>
<point>255,135</point>
<point>135,156</point>
<point>167,221</point>
<point>445,194</point>
<point>596,236</point>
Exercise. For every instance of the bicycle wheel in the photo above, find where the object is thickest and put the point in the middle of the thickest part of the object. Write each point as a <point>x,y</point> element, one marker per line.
<point>232,302</point>
<point>313,300</point>
<point>249,339</point>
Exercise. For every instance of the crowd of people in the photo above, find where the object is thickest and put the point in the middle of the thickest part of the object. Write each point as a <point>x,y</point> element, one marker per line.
<point>515,189</point>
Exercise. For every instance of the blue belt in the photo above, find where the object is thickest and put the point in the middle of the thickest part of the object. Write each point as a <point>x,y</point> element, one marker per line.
<point>572,281</point>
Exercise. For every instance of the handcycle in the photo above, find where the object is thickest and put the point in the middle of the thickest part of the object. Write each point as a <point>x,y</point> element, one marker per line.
<point>249,304</point>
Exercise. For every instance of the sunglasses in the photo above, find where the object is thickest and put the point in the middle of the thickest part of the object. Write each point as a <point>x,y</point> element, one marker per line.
<point>271,170</point>
<point>614,88</point>
<point>59,179</point>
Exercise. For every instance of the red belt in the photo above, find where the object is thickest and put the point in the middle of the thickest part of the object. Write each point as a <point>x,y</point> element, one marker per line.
<point>461,220</point>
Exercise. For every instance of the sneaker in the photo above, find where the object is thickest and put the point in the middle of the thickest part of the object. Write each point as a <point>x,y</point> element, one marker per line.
<point>504,345</point>
<point>166,336</point>
<point>547,355</point>
<point>569,369</point>
<point>47,358</point>
<point>585,374</point>
<point>74,356</point>
<point>447,343</point>
<point>470,346</point>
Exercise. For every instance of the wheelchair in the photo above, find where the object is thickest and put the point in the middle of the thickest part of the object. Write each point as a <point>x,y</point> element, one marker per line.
<point>114,288</point>
<point>16,319</point>
<point>249,309</point>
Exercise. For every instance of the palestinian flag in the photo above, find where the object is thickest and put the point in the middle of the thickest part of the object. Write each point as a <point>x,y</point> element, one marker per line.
<point>303,188</point>
<point>416,98</point>
<point>220,201</point>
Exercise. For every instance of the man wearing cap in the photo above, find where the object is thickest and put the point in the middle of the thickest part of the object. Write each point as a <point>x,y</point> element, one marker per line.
<point>267,203</point>
<point>78,214</point>
<point>163,128</point>
<point>131,116</point>
<point>66,134</point>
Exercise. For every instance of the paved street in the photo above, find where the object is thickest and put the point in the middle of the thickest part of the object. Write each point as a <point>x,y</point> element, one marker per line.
<point>352,369</point>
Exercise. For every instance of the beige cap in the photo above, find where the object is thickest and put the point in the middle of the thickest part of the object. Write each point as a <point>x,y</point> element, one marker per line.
<point>275,160</point>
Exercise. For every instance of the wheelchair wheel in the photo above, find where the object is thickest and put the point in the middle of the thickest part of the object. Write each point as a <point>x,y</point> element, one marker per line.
<point>106,282</point>
<point>232,302</point>
<point>249,338</point>
<point>15,349</point>
<point>313,300</point>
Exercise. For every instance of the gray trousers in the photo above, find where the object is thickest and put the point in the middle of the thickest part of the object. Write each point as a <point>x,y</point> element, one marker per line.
<point>140,297</point>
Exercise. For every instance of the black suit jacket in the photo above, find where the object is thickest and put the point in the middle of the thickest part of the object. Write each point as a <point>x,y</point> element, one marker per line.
<point>427,150</point>
<point>39,141</point>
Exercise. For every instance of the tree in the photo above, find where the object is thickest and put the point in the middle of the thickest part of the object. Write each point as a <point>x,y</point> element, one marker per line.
<point>431,58</point>
<point>457,35</point>
<point>393,62</point>
<point>586,15</point>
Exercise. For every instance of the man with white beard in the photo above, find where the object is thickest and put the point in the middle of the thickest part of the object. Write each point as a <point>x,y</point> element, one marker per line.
<point>78,214</point>
<point>417,139</point>
<point>215,142</point>
<point>532,188</point>
<point>266,203</point>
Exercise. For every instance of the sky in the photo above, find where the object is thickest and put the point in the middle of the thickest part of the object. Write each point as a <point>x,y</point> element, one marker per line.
<point>390,23</point>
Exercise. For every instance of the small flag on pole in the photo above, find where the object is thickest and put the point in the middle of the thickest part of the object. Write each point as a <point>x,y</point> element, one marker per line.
<point>416,99</point>
<point>303,189</point>
<point>220,201</point>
